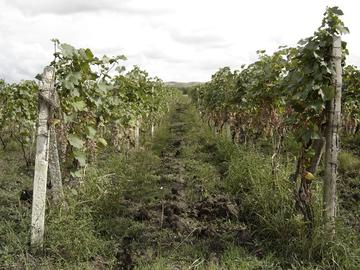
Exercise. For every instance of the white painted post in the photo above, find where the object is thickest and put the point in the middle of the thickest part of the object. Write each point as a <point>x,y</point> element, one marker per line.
<point>41,161</point>
<point>152,130</point>
<point>137,134</point>
<point>152,124</point>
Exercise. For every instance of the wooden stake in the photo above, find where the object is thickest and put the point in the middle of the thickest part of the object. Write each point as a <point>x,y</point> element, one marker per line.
<point>54,169</point>
<point>332,140</point>
<point>152,130</point>
<point>228,131</point>
<point>137,134</point>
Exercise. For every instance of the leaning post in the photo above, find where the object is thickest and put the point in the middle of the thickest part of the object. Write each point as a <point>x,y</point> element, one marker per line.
<point>41,160</point>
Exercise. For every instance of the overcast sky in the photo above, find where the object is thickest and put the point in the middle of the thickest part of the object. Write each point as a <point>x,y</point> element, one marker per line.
<point>176,40</point>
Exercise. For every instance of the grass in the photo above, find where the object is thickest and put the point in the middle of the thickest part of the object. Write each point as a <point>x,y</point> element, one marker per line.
<point>349,164</point>
<point>101,228</point>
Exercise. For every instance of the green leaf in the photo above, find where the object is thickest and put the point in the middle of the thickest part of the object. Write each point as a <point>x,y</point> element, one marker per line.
<point>102,141</point>
<point>68,84</point>
<point>89,54</point>
<point>68,118</point>
<point>38,77</point>
<point>310,135</point>
<point>306,137</point>
<point>120,69</point>
<point>314,135</point>
<point>329,92</point>
<point>79,105</point>
<point>103,87</point>
<point>105,59</point>
<point>336,11</point>
<point>75,92</point>
<point>342,29</point>
<point>67,50</point>
<point>80,156</point>
<point>77,174</point>
<point>302,42</point>
<point>132,122</point>
<point>91,132</point>
<point>121,57</point>
<point>75,141</point>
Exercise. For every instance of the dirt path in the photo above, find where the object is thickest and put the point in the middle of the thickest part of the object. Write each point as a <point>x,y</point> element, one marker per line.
<point>192,214</point>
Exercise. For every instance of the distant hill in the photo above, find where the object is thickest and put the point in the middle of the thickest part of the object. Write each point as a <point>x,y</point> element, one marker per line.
<point>182,84</point>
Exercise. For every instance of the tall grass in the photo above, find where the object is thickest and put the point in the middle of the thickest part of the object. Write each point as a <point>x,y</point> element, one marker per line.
<point>268,207</point>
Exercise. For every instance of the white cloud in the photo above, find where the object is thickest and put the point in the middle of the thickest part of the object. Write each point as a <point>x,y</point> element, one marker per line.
<point>176,40</point>
<point>65,7</point>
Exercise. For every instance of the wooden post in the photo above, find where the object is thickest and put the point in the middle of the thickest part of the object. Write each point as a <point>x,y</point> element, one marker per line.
<point>41,161</point>
<point>152,130</point>
<point>318,146</point>
<point>227,128</point>
<point>152,124</point>
<point>54,169</point>
<point>332,139</point>
<point>54,172</point>
<point>137,134</point>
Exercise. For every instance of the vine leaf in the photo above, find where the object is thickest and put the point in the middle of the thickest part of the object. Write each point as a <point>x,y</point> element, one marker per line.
<point>91,132</point>
<point>75,141</point>
<point>102,141</point>
<point>79,106</point>
<point>80,156</point>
